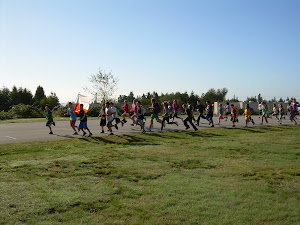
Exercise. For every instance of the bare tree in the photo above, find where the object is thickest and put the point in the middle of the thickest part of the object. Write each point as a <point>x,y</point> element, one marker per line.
<point>104,85</point>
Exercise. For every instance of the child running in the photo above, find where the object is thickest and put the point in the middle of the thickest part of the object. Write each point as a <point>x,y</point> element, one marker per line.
<point>292,114</point>
<point>154,115</point>
<point>233,115</point>
<point>200,108</point>
<point>126,111</point>
<point>210,113</point>
<point>189,118</point>
<point>281,113</point>
<point>140,116</point>
<point>49,118</point>
<point>73,117</point>
<point>275,112</point>
<point>134,109</point>
<point>109,116</point>
<point>247,114</point>
<point>175,108</point>
<point>166,116</point>
<point>83,122</point>
<point>220,111</point>
<point>103,118</point>
<point>116,116</point>
<point>265,114</point>
<point>171,110</point>
<point>228,110</point>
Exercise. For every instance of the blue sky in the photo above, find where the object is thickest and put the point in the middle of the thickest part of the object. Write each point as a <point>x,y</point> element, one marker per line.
<point>250,47</point>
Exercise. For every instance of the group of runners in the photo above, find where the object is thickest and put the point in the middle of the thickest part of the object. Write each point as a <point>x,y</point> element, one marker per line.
<point>135,113</point>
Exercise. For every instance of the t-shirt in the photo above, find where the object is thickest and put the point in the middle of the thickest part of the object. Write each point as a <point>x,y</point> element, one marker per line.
<point>114,110</point>
<point>170,107</point>
<point>102,113</point>
<point>259,107</point>
<point>275,110</point>
<point>247,113</point>
<point>82,115</point>
<point>126,108</point>
<point>281,111</point>
<point>295,106</point>
<point>140,112</point>
<point>220,109</point>
<point>209,109</point>
<point>134,108</point>
<point>175,107</point>
<point>228,109</point>
<point>72,114</point>
<point>155,108</point>
<point>200,108</point>
<point>189,111</point>
<point>48,115</point>
<point>233,113</point>
<point>110,117</point>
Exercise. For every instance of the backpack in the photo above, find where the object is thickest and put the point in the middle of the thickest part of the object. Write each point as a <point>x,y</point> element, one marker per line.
<point>143,110</point>
<point>158,108</point>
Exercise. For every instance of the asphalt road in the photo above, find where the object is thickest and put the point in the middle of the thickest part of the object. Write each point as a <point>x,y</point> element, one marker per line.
<point>37,131</point>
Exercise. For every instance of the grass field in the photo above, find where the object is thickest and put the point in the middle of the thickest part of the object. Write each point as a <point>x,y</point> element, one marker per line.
<point>216,176</point>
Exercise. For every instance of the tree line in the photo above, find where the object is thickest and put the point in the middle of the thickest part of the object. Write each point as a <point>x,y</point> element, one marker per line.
<point>21,103</point>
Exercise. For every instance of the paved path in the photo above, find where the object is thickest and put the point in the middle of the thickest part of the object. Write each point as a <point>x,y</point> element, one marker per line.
<point>37,131</point>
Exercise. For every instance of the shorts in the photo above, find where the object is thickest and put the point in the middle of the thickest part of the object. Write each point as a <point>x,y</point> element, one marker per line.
<point>221,117</point>
<point>280,116</point>
<point>208,117</point>
<point>83,125</point>
<point>48,123</point>
<point>233,120</point>
<point>175,115</point>
<point>126,114</point>
<point>260,112</point>
<point>154,116</point>
<point>228,113</point>
<point>139,121</point>
<point>117,120</point>
<point>103,122</point>
<point>72,122</point>
<point>109,123</point>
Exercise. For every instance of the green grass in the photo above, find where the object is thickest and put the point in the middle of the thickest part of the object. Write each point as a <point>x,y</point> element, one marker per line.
<point>30,120</point>
<point>216,176</point>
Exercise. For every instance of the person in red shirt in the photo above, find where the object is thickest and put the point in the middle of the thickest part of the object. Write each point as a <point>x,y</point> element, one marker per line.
<point>126,111</point>
<point>233,115</point>
<point>175,109</point>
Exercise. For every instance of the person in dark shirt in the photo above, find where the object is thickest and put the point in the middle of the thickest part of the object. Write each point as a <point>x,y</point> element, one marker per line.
<point>210,113</point>
<point>200,108</point>
<point>189,112</point>
<point>83,121</point>
<point>155,110</point>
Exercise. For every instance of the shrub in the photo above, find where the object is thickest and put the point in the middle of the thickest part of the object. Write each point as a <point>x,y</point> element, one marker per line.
<point>94,111</point>
<point>25,111</point>
<point>5,115</point>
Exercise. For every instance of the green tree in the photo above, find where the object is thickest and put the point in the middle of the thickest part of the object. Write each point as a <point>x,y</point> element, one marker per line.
<point>5,99</point>
<point>104,85</point>
<point>39,95</point>
<point>52,100</point>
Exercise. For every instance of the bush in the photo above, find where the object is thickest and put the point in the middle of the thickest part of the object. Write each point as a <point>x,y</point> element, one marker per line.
<point>94,111</point>
<point>6,115</point>
<point>25,111</point>
<point>59,112</point>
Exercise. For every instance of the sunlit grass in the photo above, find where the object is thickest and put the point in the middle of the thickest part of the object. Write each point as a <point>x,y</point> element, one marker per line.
<point>216,176</point>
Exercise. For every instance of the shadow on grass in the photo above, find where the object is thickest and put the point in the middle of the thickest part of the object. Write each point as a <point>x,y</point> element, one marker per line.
<point>251,130</point>
<point>123,140</point>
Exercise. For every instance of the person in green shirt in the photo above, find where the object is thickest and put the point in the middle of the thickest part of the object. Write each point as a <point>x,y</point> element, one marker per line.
<point>49,118</point>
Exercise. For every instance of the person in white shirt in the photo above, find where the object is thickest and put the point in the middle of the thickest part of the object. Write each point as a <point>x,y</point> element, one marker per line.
<point>110,118</point>
<point>115,115</point>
